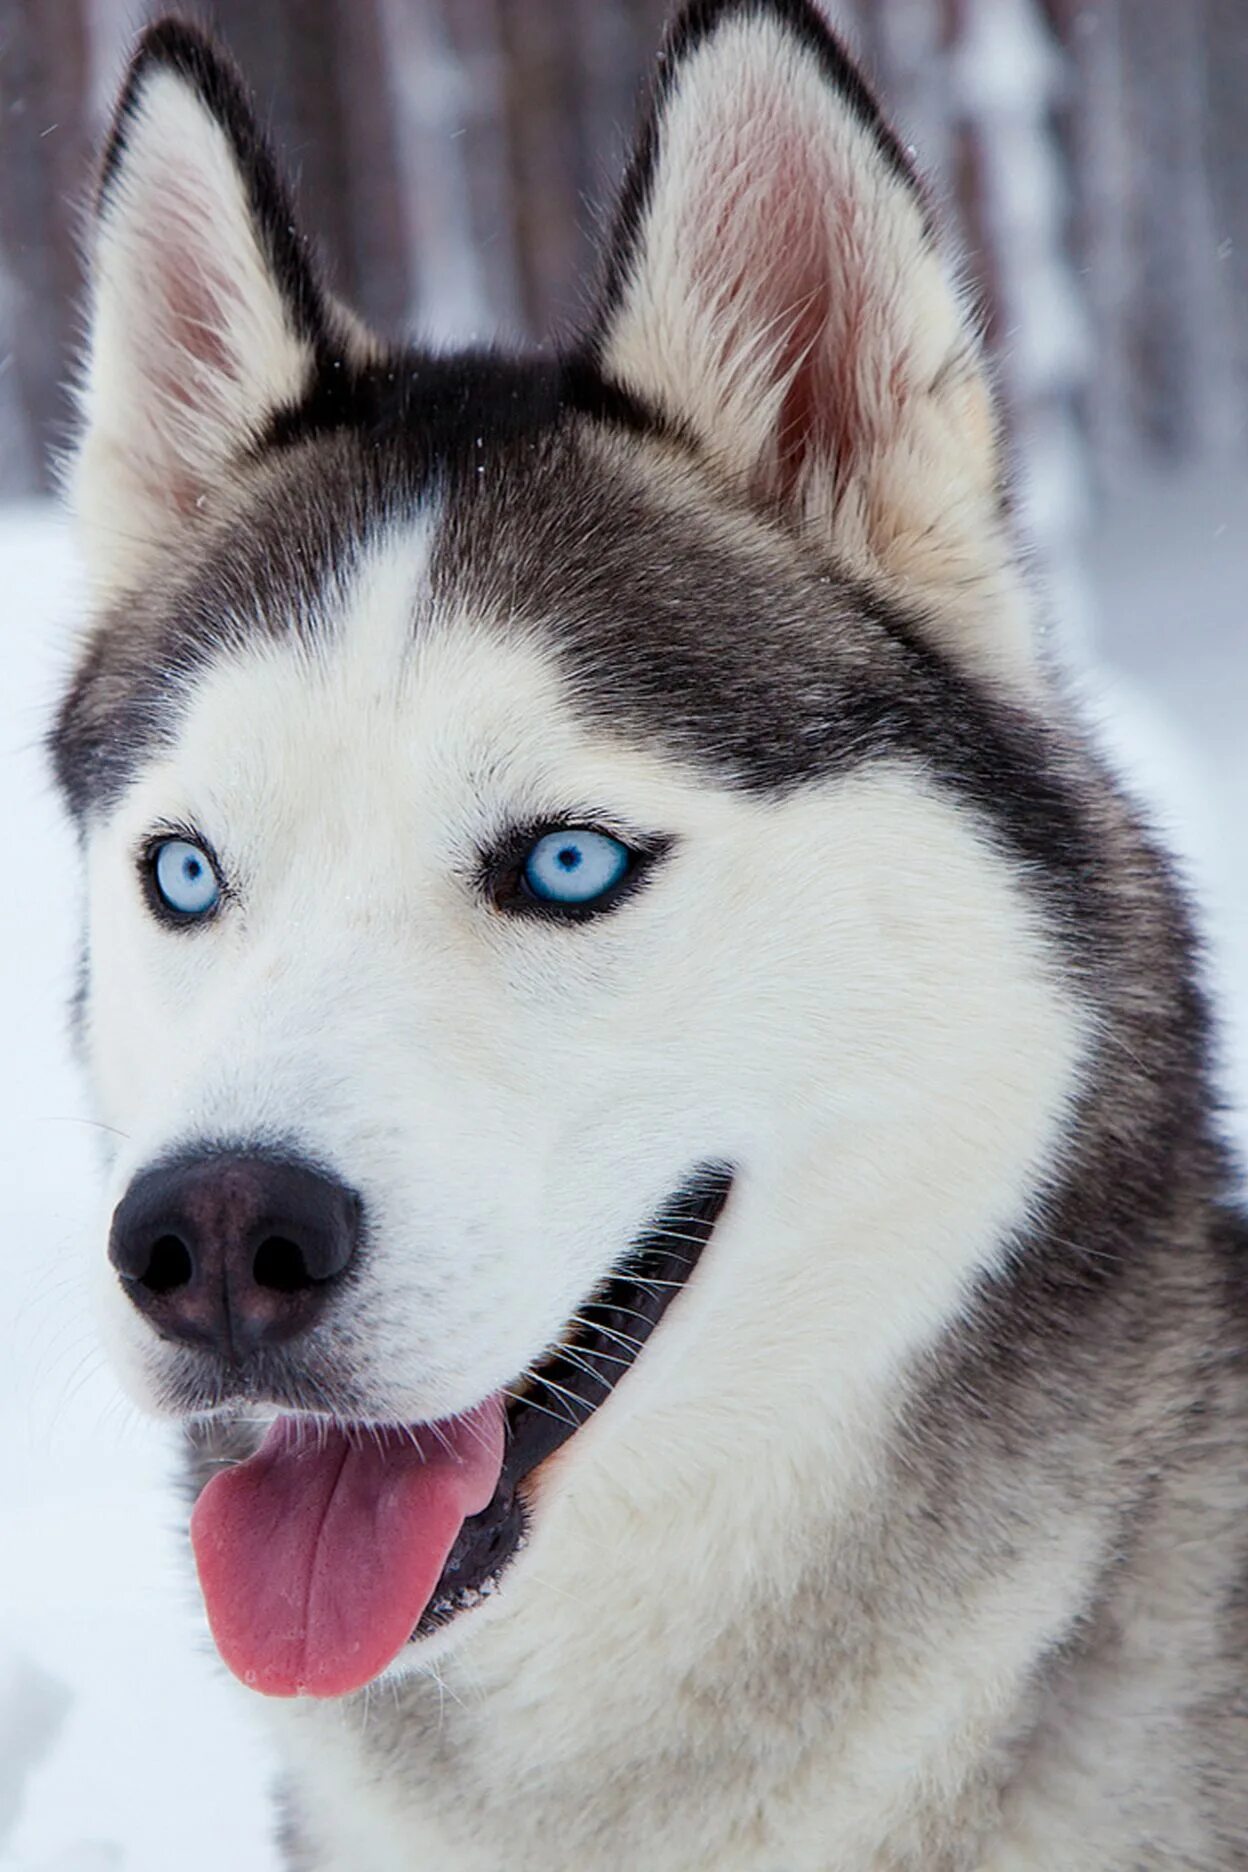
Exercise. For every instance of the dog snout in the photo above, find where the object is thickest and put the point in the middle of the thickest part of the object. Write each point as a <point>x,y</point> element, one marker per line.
<point>234,1252</point>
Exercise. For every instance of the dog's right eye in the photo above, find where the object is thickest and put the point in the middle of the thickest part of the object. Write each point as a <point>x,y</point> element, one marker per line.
<point>184,878</point>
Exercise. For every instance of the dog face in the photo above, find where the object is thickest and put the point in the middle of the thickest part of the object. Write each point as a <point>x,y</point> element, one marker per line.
<point>544,819</point>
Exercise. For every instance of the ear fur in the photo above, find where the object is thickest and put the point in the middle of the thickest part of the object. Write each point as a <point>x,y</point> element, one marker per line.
<point>206,315</point>
<point>774,287</point>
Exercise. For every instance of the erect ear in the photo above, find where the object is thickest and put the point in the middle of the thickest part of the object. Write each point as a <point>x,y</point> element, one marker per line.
<point>206,315</point>
<point>774,287</point>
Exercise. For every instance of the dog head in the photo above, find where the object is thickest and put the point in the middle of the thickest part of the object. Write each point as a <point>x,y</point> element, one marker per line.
<point>551,822</point>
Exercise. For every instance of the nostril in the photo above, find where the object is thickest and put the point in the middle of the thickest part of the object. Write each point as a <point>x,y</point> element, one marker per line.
<point>280,1266</point>
<point>169,1265</point>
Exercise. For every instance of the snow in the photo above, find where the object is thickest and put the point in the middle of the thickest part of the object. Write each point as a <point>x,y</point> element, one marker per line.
<point>118,1731</point>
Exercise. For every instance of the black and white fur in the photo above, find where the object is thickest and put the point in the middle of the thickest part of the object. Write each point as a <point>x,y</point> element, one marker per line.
<point>917,1536</point>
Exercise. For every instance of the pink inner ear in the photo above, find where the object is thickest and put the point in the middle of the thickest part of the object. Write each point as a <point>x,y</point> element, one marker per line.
<point>194,298</point>
<point>782,254</point>
<point>191,367</point>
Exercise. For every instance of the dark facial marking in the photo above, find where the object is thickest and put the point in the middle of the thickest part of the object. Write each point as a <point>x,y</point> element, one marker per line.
<point>441,413</point>
<point>768,679</point>
<point>768,676</point>
<point>367,447</point>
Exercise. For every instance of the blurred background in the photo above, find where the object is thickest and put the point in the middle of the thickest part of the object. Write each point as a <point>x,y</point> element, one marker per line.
<point>454,158</point>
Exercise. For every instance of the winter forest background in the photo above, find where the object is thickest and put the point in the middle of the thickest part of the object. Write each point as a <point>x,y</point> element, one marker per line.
<point>453,155</point>
<point>454,158</point>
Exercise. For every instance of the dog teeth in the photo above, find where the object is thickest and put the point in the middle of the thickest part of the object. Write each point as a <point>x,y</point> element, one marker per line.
<point>466,1598</point>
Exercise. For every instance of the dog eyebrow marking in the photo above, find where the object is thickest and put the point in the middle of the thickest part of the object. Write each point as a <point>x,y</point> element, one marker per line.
<point>369,445</point>
<point>661,630</point>
<point>665,633</point>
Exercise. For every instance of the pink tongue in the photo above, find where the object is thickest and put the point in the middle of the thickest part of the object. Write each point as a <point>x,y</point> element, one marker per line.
<point>318,1556</point>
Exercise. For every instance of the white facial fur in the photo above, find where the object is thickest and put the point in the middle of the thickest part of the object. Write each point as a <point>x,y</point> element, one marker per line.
<point>845,994</point>
<point>841,994</point>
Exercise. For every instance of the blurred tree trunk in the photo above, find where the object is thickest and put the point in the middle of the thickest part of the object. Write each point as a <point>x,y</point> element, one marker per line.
<point>43,169</point>
<point>1180,329</point>
<point>1227,160</point>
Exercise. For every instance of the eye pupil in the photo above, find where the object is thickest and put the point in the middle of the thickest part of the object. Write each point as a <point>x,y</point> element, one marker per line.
<point>569,858</point>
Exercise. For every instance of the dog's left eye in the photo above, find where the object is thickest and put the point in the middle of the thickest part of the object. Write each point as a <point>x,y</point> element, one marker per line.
<point>575,868</point>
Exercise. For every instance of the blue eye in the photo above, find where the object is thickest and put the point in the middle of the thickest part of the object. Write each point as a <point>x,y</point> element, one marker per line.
<point>185,878</point>
<point>576,867</point>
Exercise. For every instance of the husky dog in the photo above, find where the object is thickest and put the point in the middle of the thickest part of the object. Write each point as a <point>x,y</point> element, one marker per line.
<point>666,1149</point>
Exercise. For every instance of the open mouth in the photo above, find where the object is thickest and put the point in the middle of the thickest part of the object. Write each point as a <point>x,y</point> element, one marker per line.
<point>331,1549</point>
<point>570,1384</point>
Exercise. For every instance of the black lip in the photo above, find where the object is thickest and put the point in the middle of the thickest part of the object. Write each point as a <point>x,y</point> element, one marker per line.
<point>568,1386</point>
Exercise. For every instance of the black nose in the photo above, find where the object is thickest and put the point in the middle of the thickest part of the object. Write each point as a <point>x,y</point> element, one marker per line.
<point>233,1252</point>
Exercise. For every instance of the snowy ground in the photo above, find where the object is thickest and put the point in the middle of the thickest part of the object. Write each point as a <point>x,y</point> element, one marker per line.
<point>118,1735</point>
